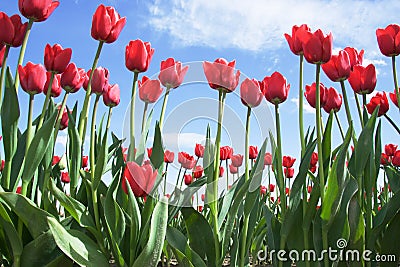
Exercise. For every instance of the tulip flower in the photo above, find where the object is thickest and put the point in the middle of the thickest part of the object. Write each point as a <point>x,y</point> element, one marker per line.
<point>221,74</point>
<point>263,190</point>
<point>56,58</point>
<point>12,30</point>
<point>296,41</point>
<point>332,100</point>
<point>385,159</point>
<point>271,188</point>
<point>107,24</point>
<point>225,152</point>
<point>199,150</point>
<point>287,191</point>
<point>169,156</point>
<point>37,10</point>
<point>2,52</point>
<point>56,159</point>
<point>55,86</point>
<point>221,171</point>
<point>289,172</point>
<point>310,94</point>
<point>288,161</point>
<point>188,179</point>
<point>186,161</point>
<point>203,197</point>
<point>389,40</point>
<point>314,159</point>
<point>313,169</point>
<point>394,98</point>
<point>237,160</point>
<point>233,169</point>
<point>149,90</point>
<point>111,96</point>
<point>250,93</point>
<point>268,159</point>
<point>138,55</point>
<point>317,47</point>
<point>99,80</point>
<point>276,89</point>
<point>141,179</point>
<point>72,78</point>
<point>149,151</point>
<point>396,158</point>
<point>85,160</point>
<point>198,172</point>
<point>65,177</point>
<point>363,79</point>
<point>64,120</point>
<point>2,165</point>
<point>253,152</point>
<point>390,149</point>
<point>200,208</point>
<point>309,189</point>
<point>33,78</point>
<point>379,99</point>
<point>171,73</point>
<point>338,67</point>
<point>355,57</point>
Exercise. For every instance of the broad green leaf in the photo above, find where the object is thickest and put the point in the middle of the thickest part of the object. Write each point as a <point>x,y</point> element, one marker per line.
<point>101,162</point>
<point>327,144</point>
<point>135,223</point>
<point>16,165</point>
<point>10,232</point>
<point>76,245</point>
<point>74,153</point>
<point>393,177</point>
<point>157,155</point>
<point>391,237</point>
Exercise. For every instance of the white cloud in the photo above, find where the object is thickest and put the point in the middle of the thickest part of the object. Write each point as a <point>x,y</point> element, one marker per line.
<point>182,141</point>
<point>306,106</point>
<point>259,25</point>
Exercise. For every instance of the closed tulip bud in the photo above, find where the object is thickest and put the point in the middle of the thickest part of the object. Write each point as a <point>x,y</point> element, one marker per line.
<point>72,78</point>
<point>296,41</point>
<point>37,10</point>
<point>381,100</point>
<point>250,93</point>
<point>186,161</point>
<point>276,89</point>
<point>390,149</point>
<point>200,208</point>
<point>313,169</point>
<point>396,158</point>
<point>271,188</point>
<point>233,169</point>
<point>56,58</point>
<point>338,67</point>
<point>225,152</point>
<point>314,159</point>
<point>268,159</point>
<point>199,150</point>
<point>33,78</point>
<point>221,74</point>
<point>317,47</point>
<point>263,190</point>
<point>99,80</point>
<point>169,156</point>
<point>237,160</point>
<point>310,94</point>
<point>2,51</point>
<point>253,152</point>
<point>363,79</point>
<point>55,86</point>
<point>149,90</point>
<point>138,55</point>
<point>198,172</point>
<point>393,97</point>
<point>288,161</point>
<point>12,30</point>
<point>111,96</point>
<point>55,160</point>
<point>85,161</point>
<point>355,57</point>
<point>141,179</point>
<point>171,73</point>
<point>389,40</point>
<point>289,172</point>
<point>107,24</point>
<point>65,177</point>
<point>64,120</point>
<point>188,179</point>
<point>385,159</point>
<point>332,100</point>
<point>221,171</point>
<point>2,165</point>
<point>287,192</point>
<point>309,189</point>
<point>149,151</point>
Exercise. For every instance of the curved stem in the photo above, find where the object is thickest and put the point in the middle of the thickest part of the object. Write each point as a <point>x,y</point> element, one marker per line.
<point>3,73</point>
<point>281,179</point>
<point>339,125</point>
<point>131,152</point>
<point>396,88</point>
<point>164,105</point>
<point>46,102</point>
<point>22,52</point>
<point>109,118</point>
<point>301,124</point>
<point>392,123</point>
<point>165,179</point>
<point>359,110</point>
<point>146,104</point>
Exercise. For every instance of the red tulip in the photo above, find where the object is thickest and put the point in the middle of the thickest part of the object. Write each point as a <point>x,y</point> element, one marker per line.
<point>188,179</point>
<point>332,100</point>
<point>203,197</point>
<point>253,152</point>
<point>2,165</point>
<point>56,159</point>
<point>287,192</point>
<point>37,10</point>
<point>64,120</point>
<point>186,160</point>
<point>149,90</point>
<point>317,47</point>
<point>85,161</point>
<point>288,161</point>
<point>221,74</point>
<point>225,152</point>
<point>263,190</point>
<point>2,51</point>
<point>379,99</point>
<point>171,73</point>
<point>233,169</point>
<point>396,158</point>
<point>389,40</point>
<point>221,171</point>
<point>149,151</point>
<point>268,159</point>
<point>296,41</point>
<point>33,78</point>
<point>309,189</point>
<point>138,55</point>
<point>314,159</point>
<point>276,88</point>
<point>313,169</point>
<point>250,93</point>
<point>169,156</point>
<point>356,58</point>
<point>198,172</point>
<point>390,149</point>
<point>141,179</point>
<point>107,24</point>
<point>338,67</point>
<point>289,172</point>
<point>200,208</point>
<point>56,58</point>
<point>65,177</point>
<point>385,159</point>
<point>363,79</point>
<point>19,189</point>
<point>72,78</point>
<point>55,86</point>
<point>310,94</point>
<point>12,30</point>
<point>111,96</point>
<point>199,150</point>
<point>393,97</point>
<point>271,188</point>
<point>237,160</point>
<point>99,80</point>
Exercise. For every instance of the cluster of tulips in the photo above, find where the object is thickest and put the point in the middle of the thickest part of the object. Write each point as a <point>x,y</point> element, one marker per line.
<point>333,194</point>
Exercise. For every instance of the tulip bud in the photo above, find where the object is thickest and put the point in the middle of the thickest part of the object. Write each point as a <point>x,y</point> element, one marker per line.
<point>56,58</point>
<point>12,30</point>
<point>107,24</point>
<point>138,55</point>
<point>65,177</point>
<point>37,10</point>
<point>171,73</point>
<point>33,78</point>
<point>55,86</point>
<point>221,74</point>
<point>188,179</point>
<point>111,96</point>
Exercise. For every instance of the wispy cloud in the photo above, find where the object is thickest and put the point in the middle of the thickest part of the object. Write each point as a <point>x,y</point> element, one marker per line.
<point>259,25</point>
<point>306,106</point>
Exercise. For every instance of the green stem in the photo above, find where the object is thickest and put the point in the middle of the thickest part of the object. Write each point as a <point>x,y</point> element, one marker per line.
<point>347,108</point>
<point>396,88</point>
<point>359,109</point>
<point>131,152</point>
<point>85,109</point>
<point>46,102</point>
<point>7,174</point>
<point>246,177</point>
<point>60,114</point>
<point>164,105</point>
<point>392,123</point>
<point>365,115</point>
<point>29,124</point>
<point>24,190</point>
<point>227,175</point>
<point>109,118</point>
<point>146,104</point>
<point>165,179</point>
<point>281,179</point>
<point>22,52</point>
<point>339,125</point>
<point>301,99</point>
<point>3,73</point>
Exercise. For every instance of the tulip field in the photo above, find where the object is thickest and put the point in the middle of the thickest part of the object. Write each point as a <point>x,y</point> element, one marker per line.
<point>106,200</point>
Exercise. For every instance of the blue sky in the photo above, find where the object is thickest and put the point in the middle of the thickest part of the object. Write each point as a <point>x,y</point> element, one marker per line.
<point>194,31</point>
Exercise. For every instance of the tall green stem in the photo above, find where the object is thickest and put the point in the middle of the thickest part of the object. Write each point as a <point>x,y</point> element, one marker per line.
<point>131,152</point>
<point>359,109</point>
<point>46,101</point>
<point>227,175</point>
<point>85,109</point>
<point>29,123</point>
<point>164,105</point>
<point>301,100</point>
<point>146,105</point>
<point>22,52</point>
<point>392,123</point>
<point>396,87</point>
<point>60,114</point>
<point>3,72</point>
<point>339,125</point>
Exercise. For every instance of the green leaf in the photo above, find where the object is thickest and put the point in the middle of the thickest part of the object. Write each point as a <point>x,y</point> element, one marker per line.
<point>10,232</point>
<point>75,152</point>
<point>327,144</point>
<point>76,245</point>
<point>391,237</point>
<point>16,164</point>
<point>157,154</point>
<point>393,177</point>
<point>101,162</point>
<point>152,251</point>
<point>143,140</point>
